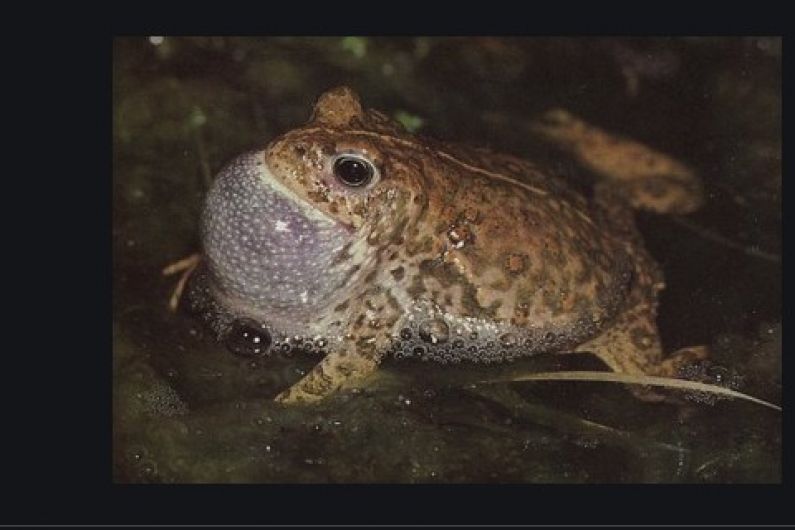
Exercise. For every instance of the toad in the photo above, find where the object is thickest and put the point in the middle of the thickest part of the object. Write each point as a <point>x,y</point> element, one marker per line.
<point>352,238</point>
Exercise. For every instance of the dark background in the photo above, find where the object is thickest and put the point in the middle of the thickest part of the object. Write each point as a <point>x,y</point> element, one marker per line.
<point>58,458</point>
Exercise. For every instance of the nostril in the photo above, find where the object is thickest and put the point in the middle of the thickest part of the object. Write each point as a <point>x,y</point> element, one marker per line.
<point>248,338</point>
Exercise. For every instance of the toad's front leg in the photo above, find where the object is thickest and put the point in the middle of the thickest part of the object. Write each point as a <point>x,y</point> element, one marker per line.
<point>374,317</point>
<point>344,367</point>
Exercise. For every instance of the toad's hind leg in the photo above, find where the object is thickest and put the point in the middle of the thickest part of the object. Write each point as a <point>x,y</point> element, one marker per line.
<point>632,346</point>
<point>646,178</point>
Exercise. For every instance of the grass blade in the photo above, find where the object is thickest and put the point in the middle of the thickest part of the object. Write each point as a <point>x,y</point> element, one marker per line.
<point>614,377</point>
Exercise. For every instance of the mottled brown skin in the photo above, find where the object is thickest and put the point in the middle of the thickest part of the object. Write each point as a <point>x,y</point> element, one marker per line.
<point>480,236</point>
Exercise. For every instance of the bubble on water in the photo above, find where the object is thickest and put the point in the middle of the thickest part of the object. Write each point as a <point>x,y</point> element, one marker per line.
<point>136,454</point>
<point>708,372</point>
<point>163,400</point>
<point>705,398</point>
<point>722,376</point>
<point>458,343</point>
<point>434,331</point>
<point>148,468</point>
<point>405,334</point>
<point>248,338</point>
<point>509,340</point>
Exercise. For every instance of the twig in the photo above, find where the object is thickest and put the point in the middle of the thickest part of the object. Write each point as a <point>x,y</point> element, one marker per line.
<point>186,266</point>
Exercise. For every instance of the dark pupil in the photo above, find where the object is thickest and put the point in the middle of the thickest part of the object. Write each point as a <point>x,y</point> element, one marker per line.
<point>353,172</point>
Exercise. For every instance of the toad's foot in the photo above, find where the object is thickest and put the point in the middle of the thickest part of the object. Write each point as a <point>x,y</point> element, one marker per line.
<point>674,366</point>
<point>675,363</point>
<point>186,266</point>
<point>337,369</point>
<point>632,346</point>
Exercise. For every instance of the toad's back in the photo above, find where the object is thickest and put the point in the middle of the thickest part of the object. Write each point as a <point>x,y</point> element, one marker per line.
<point>501,247</point>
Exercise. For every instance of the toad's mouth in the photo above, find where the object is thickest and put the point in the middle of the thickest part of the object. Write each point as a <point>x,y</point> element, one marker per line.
<point>267,247</point>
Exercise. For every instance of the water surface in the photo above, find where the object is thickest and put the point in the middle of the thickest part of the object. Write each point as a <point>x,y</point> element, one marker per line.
<point>186,410</point>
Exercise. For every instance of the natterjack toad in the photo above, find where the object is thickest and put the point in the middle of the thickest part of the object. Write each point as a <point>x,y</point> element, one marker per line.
<point>354,238</point>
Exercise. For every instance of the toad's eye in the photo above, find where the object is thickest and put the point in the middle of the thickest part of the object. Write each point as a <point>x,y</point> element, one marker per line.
<point>354,171</point>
